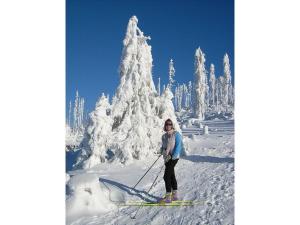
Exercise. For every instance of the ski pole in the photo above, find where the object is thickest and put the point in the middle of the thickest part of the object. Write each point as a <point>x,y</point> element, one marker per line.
<point>146,172</point>
<point>147,193</point>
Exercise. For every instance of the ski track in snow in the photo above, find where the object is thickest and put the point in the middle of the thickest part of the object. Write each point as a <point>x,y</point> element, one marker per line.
<point>206,174</point>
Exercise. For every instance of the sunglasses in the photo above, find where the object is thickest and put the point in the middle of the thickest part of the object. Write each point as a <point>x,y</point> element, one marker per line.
<point>169,124</point>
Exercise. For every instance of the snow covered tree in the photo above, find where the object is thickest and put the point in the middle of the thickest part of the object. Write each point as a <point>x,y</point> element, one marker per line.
<point>81,114</point>
<point>206,92</point>
<point>75,111</point>
<point>68,137</point>
<point>76,122</point>
<point>171,74</point>
<point>158,86</point>
<point>98,132</point>
<point>190,91</point>
<point>227,79</point>
<point>212,82</point>
<point>200,85</point>
<point>167,109</point>
<point>180,97</point>
<point>186,96</point>
<point>176,99</point>
<point>231,95</point>
<point>78,114</point>
<point>137,112</point>
<point>221,93</point>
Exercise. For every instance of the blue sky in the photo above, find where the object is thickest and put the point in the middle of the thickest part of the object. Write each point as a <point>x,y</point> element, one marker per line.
<point>95,30</point>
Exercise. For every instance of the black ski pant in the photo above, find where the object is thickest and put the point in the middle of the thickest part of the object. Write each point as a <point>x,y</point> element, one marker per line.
<point>169,176</point>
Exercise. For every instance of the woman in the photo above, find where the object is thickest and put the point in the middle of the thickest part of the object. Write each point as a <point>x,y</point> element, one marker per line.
<point>171,149</point>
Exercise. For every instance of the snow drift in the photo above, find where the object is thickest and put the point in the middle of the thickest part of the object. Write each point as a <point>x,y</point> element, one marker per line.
<point>88,197</point>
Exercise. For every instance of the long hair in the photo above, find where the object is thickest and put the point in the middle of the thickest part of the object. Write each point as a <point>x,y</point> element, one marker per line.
<point>167,121</point>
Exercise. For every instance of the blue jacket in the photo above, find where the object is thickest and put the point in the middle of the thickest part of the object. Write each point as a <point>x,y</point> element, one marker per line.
<point>178,146</point>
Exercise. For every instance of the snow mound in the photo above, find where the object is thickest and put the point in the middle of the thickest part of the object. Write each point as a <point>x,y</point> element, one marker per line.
<point>206,130</point>
<point>89,197</point>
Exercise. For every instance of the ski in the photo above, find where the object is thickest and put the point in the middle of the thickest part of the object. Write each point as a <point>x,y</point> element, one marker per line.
<point>174,203</point>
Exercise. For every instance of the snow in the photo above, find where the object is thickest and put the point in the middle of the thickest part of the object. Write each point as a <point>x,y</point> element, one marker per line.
<point>123,137</point>
<point>206,130</point>
<point>205,174</point>
<point>88,198</point>
<point>67,178</point>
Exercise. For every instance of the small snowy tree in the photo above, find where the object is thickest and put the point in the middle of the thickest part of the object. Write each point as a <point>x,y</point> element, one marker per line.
<point>158,86</point>
<point>200,85</point>
<point>78,114</point>
<point>186,96</point>
<point>75,111</point>
<point>98,132</point>
<point>179,97</point>
<point>167,108</point>
<point>171,74</point>
<point>212,82</point>
<point>227,79</point>
<point>81,114</point>
<point>190,91</point>
<point>180,93</point>
<point>76,121</point>
<point>206,92</point>
<point>231,95</point>
<point>176,99</point>
<point>221,92</point>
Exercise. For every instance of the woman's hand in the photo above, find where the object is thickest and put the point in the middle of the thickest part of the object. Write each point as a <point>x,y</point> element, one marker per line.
<point>168,158</point>
<point>161,150</point>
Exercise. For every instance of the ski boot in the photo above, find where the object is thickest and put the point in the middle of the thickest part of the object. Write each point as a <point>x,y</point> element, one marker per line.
<point>174,195</point>
<point>166,199</point>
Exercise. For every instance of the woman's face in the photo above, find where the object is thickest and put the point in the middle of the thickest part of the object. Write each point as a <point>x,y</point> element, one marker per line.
<point>169,126</point>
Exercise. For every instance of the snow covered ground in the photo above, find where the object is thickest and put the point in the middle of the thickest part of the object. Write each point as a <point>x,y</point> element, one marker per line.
<point>205,174</point>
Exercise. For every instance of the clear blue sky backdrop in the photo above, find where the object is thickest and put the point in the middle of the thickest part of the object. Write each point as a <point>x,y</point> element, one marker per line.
<point>95,30</point>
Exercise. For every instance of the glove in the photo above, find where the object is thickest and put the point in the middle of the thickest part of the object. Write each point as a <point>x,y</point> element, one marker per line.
<point>161,151</point>
<point>168,158</point>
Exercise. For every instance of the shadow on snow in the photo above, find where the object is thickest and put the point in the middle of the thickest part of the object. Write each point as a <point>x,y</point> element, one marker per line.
<point>209,159</point>
<point>143,195</point>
